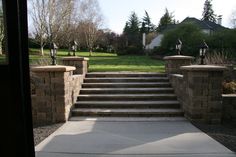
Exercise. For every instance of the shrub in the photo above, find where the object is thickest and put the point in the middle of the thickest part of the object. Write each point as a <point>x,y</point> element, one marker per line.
<point>229,87</point>
<point>134,50</point>
<point>41,62</point>
<point>218,58</point>
<point>189,34</point>
<point>222,41</point>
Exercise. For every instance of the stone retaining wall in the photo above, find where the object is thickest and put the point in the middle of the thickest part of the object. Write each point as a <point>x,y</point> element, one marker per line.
<point>229,107</point>
<point>55,91</point>
<point>198,89</point>
<point>173,63</point>
<point>80,63</point>
<point>177,82</point>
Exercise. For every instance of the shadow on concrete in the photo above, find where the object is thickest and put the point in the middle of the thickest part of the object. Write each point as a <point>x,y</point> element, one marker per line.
<point>93,138</point>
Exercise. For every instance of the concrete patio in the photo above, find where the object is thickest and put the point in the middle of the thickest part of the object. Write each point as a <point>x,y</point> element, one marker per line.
<point>132,137</point>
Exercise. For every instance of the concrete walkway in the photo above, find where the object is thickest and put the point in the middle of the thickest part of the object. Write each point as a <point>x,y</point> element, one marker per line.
<point>118,137</point>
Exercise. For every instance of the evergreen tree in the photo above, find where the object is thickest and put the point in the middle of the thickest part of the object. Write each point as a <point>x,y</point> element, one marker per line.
<point>132,30</point>
<point>147,25</point>
<point>133,23</point>
<point>165,20</point>
<point>208,12</point>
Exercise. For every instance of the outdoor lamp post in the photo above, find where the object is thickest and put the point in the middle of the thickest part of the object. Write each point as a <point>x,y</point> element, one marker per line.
<point>202,52</point>
<point>53,53</point>
<point>178,46</point>
<point>74,47</point>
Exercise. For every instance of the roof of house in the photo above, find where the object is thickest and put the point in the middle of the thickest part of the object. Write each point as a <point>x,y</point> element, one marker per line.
<point>203,24</point>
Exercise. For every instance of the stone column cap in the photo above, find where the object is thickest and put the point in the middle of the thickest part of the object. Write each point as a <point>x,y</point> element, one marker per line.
<point>229,95</point>
<point>203,68</point>
<point>178,57</point>
<point>75,58</point>
<point>53,68</point>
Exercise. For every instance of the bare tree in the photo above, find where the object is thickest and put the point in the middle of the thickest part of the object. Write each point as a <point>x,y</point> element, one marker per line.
<point>90,21</point>
<point>233,19</point>
<point>38,14</point>
<point>58,11</point>
<point>49,18</point>
<point>1,30</point>
<point>62,21</point>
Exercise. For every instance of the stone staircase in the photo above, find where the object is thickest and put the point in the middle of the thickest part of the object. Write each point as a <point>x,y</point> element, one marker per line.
<point>126,95</point>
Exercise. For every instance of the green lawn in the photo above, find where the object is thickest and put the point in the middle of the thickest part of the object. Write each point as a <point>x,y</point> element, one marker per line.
<point>2,59</point>
<point>125,63</point>
<point>100,62</point>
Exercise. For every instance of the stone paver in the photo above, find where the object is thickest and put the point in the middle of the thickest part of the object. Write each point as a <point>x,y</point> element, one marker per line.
<point>168,138</point>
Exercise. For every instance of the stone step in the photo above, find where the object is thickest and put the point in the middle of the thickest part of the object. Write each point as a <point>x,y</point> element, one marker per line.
<point>126,90</point>
<point>127,104</point>
<point>126,79</point>
<point>126,97</point>
<point>123,74</point>
<point>128,119</point>
<point>127,85</point>
<point>127,112</point>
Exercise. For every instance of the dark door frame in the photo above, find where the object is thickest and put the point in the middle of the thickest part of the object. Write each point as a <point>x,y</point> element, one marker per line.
<point>17,130</point>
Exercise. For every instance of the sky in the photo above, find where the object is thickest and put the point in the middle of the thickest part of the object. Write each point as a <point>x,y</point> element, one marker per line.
<point>117,12</point>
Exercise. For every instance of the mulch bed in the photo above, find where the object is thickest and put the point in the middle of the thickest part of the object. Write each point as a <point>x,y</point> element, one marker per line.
<point>224,133</point>
<point>42,132</point>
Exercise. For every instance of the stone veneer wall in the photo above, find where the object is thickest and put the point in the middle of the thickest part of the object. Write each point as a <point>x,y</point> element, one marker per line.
<point>80,63</point>
<point>203,93</point>
<point>173,63</point>
<point>234,74</point>
<point>55,91</point>
<point>199,90</point>
<point>229,107</point>
<point>229,73</point>
<point>177,82</point>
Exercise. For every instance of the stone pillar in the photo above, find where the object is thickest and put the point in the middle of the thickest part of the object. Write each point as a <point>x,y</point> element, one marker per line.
<point>51,101</point>
<point>81,64</point>
<point>173,63</point>
<point>203,100</point>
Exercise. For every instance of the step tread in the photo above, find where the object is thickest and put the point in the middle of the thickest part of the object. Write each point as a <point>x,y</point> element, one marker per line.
<point>131,78</point>
<point>125,72</point>
<point>91,75</point>
<point>127,102</point>
<point>125,89</point>
<point>128,83</point>
<point>124,95</point>
<point>108,110</point>
<point>126,119</point>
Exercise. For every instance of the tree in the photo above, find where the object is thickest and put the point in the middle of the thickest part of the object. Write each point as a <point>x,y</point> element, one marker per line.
<point>38,14</point>
<point>49,17</point>
<point>165,20</point>
<point>2,33</point>
<point>233,19</point>
<point>57,13</point>
<point>147,25</point>
<point>132,30</point>
<point>90,21</point>
<point>189,34</point>
<point>208,12</point>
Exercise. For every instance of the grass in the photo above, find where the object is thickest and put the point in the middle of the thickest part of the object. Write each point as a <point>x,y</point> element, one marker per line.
<point>2,59</point>
<point>100,62</point>
<point>125,63</point>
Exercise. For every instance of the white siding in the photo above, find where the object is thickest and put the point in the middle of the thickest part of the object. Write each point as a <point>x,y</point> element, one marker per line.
<point>155,42</point>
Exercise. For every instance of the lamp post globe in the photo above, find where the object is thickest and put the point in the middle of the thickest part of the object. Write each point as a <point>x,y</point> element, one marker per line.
<point>53,53</point>
<point>202,51</point>
<point>74,47</point>
<point>178,46</point>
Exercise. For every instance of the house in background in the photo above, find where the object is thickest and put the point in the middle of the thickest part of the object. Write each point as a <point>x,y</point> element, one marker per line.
<point>207,27</point>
